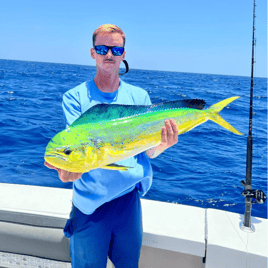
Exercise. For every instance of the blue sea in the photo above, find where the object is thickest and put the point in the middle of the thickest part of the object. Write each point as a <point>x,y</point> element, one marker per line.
<point>203,169</point>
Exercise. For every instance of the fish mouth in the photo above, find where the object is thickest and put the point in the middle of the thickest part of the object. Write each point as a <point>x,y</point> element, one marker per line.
<point>56,156</point>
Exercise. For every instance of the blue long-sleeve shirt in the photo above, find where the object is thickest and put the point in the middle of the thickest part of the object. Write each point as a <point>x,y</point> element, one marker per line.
<point>99,186</point>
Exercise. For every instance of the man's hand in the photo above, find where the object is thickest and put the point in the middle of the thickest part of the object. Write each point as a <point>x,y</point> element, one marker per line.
<point>169,138</point>
<point>169,134</point>
<point>64,175</point>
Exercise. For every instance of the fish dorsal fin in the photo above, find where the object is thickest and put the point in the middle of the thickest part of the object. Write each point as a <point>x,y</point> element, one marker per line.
<point>106,112</point>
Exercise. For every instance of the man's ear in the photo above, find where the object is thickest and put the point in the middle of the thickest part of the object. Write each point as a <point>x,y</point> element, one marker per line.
<point>92,53</point>
<point>123,56</point>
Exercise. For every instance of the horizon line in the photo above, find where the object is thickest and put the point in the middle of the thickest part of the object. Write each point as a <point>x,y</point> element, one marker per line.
<point>135,68</point>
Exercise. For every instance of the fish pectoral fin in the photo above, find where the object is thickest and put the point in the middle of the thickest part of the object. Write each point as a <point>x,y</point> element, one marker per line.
<point>116,167</point>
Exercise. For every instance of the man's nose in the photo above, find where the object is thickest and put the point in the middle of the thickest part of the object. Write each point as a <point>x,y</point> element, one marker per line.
<point>109,53</point>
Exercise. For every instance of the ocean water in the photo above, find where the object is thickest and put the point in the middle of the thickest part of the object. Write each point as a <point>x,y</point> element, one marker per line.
<point>203,169</point>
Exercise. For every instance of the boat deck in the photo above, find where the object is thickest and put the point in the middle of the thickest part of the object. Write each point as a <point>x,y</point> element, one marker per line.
<point>179,236</point>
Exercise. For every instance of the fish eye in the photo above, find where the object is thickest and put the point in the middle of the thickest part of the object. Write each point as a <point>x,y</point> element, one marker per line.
<point>67,151</point>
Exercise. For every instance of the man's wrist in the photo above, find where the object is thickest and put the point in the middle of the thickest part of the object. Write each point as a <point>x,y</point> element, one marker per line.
<point>154,151</point>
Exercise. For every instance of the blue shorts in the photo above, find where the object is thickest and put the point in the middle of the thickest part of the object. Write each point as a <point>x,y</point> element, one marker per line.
<point>114,230</point>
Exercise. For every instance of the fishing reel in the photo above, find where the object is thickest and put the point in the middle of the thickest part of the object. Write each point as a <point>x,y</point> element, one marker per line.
<point>258,195</point>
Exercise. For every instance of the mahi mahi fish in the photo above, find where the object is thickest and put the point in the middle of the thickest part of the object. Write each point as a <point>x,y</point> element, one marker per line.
<point>108,133</point>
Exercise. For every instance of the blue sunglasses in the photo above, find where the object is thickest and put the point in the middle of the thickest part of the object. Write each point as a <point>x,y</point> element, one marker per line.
<point>103,50</point>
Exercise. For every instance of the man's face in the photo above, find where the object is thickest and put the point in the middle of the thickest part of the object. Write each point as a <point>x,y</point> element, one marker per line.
<point>108,63</point>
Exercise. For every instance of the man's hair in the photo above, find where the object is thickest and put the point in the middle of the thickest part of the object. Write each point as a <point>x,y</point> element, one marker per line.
<point>108,28</point>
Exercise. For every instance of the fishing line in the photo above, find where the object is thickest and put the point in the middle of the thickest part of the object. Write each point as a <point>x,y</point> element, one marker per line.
<point>255,56</point>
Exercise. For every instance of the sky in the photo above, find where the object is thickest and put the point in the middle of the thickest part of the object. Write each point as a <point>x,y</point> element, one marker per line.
<point>193,36</point>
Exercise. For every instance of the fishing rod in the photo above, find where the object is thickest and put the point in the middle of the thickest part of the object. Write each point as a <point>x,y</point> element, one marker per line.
<point>249,193</point>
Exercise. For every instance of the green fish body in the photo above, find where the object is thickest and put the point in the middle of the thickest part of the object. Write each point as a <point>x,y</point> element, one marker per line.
<point>106,133</point>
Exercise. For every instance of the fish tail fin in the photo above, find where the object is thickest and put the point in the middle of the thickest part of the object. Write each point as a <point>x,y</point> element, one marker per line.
<point>215,117</point>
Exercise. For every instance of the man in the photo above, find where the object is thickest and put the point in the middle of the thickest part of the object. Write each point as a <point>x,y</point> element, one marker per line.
<point>106,215</point>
